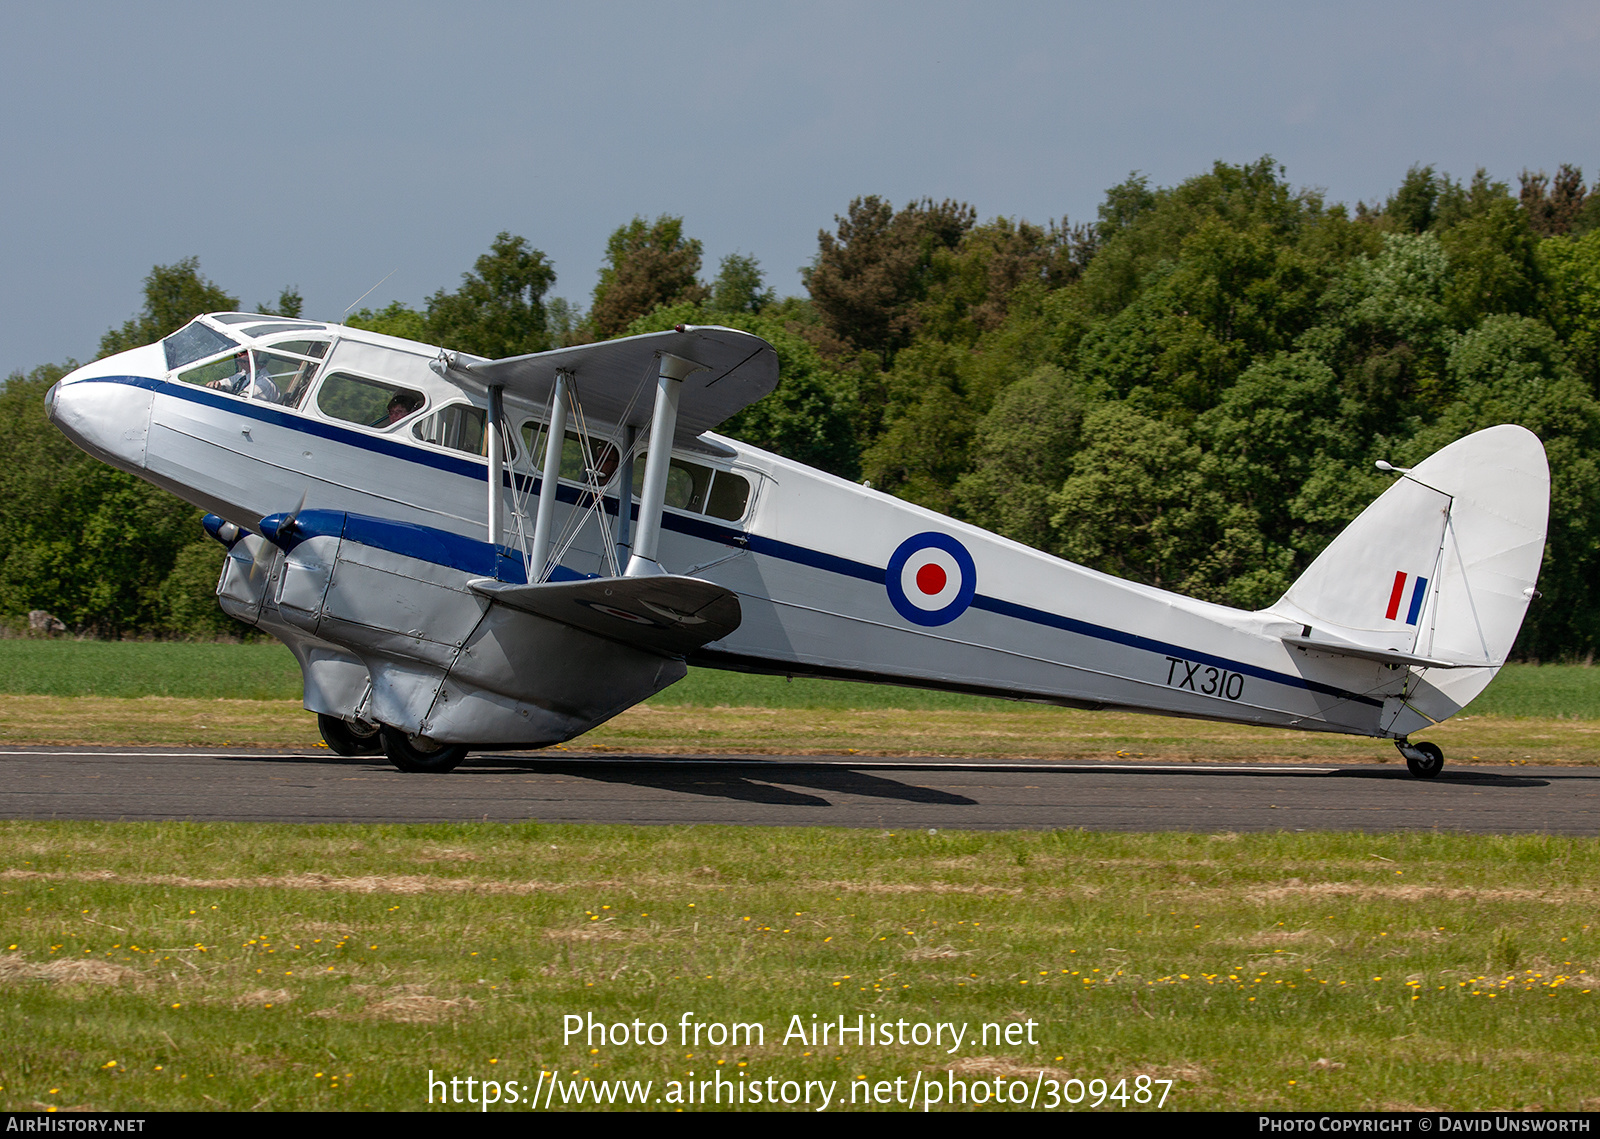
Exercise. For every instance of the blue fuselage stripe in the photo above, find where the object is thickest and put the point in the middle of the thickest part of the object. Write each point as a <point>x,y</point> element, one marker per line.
<point>459,557</point>
<point>1134,641</point>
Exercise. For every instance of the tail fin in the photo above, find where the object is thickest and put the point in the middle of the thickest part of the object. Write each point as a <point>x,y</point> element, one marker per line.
<point>1438,572</point>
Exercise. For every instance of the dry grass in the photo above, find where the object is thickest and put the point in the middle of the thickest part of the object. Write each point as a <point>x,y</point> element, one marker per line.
<point>1023,733</point>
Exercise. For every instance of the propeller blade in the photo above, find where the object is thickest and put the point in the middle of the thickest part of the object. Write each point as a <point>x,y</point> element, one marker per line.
<point>255,572</point>
<point>280,528</point>
<point>288,522</point>
<point>278,533</point>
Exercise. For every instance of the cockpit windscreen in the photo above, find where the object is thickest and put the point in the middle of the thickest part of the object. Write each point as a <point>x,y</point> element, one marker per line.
<point>194,341</point>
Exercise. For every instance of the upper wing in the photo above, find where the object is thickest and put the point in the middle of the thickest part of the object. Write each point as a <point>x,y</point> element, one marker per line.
<point>615,379</point>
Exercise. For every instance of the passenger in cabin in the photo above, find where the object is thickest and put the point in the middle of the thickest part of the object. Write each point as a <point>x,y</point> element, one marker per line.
<point>605,463</point>
<point>402,405</point>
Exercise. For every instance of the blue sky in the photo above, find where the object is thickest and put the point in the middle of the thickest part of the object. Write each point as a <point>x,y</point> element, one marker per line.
<point>325,145</point>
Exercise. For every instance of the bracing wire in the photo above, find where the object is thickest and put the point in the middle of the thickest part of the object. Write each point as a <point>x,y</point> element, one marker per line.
<point>595,491</point>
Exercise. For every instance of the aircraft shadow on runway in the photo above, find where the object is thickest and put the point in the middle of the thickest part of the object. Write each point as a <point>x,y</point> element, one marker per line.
<point>1449,777</point>
<point>716,777</point>
<point>719,782</point>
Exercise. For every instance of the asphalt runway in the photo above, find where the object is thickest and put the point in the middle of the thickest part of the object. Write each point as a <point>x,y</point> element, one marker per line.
<point>847,791</point>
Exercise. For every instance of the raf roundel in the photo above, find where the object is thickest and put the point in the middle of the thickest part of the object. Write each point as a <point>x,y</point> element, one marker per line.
<point>931,579</point>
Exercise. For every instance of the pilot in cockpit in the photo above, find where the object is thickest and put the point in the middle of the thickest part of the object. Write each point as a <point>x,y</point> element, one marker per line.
<point>245,381</point>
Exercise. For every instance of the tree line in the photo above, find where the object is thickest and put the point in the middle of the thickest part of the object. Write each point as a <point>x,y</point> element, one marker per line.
<point>1188,391</point>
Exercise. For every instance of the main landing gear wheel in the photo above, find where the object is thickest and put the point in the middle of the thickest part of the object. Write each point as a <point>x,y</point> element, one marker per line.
<point>348,739</point>
<point>412,753</point>
<point>1424,760</point>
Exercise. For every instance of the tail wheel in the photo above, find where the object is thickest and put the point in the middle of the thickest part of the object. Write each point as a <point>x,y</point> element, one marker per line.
<point>1425,761</point>
<point>348,739</point>
<point>414,753</point>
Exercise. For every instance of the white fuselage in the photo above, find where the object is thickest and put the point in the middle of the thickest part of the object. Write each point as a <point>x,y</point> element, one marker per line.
<point>834,579</point>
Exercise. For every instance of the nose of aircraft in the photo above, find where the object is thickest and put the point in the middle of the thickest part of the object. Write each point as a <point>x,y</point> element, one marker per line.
<point>108,416</point>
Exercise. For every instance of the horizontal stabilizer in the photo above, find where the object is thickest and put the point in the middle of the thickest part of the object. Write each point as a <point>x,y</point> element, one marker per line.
<point>1382,656</point>
<point>673,615</point>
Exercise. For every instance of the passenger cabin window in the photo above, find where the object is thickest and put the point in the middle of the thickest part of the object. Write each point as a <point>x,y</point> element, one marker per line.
<point>371,403</point>
<point>730,496</point>
<point>459,426</point>
<point>690,486</point>
<point>603,456</point>
<point>687,483</point>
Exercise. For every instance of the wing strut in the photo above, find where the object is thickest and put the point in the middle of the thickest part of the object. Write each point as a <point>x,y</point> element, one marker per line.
<point>669,386</point>
<point>545,519</point>
<point>496,463</point>
<point>624,543</point>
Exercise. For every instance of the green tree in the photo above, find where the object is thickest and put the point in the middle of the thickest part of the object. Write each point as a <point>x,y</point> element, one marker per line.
<point>1570,269</point>
<point>1141,228</point>
<point>188,595</point>
<point>931,415</point>
<point>1492,262</point>
<point>870,274</point>
<point>173,296</point>
<point>971,286</point>
<point>1511,369</point>
<point>290,303</point>
<point>967,349</point>
<point>1136,503</point>
<point>1123,204</point>
<point>1386,330</point>
<point>1283,420</point>
<point>499,309</point>
<point>739,286</point>
<point>1022,453</point>
<point>1232,295</point>
<point>566,322</point>
<point>394,319</point>
<point>647,265</point>
<point>1414,207</point>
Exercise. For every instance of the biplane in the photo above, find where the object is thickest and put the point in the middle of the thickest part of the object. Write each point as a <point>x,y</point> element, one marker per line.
<point>466,553</point>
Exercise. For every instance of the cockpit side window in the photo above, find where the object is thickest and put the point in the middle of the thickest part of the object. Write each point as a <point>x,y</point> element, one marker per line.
<point>371,403</point>
<point>292,374</point>
<point>272,377</point>
<point>252,374</point>
<point>194,341</point>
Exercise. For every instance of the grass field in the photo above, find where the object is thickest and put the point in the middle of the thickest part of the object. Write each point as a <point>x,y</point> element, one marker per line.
<point>267,671</point>
<point>65,692</point>
<point>166,966</point>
